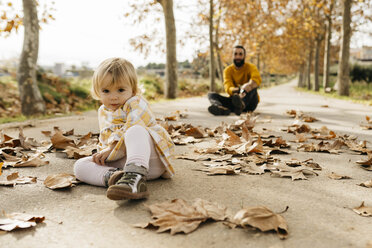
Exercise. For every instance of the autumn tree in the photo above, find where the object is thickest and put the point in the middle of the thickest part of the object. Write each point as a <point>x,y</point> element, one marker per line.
<point>31,99</point>
<point>212,65</point>
<point>327,46</point>
<point>343,67</point>
<point>144,42</point>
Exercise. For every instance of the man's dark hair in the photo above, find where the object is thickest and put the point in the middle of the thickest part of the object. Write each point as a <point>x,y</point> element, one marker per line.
<point>241,47</point>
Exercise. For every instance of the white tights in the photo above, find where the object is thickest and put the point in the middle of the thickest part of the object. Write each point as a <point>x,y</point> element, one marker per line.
<point>140,149</point>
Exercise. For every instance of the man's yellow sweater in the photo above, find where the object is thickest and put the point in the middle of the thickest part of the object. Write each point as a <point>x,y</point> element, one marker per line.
<point>236,77</point>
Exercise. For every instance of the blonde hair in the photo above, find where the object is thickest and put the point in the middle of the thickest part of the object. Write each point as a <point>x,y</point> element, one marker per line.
<point>114,71</point>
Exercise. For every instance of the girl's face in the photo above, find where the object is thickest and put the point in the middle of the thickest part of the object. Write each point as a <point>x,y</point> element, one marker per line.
<point>115,96</point>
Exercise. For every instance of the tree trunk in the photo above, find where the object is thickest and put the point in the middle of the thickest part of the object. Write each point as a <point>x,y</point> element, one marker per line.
<point>220,66</point>
<point>309,63</point>
<point>343,66</point>
<point>212,66</point>
<point>316,67</point>
<point>216,45</point>
<point>300,78</point>
<point>327,49</point>
<point>31,101</point>
<point>171,66</point>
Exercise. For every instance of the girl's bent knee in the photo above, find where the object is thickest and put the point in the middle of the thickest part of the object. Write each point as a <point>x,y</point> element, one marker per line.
<point>79,166</point>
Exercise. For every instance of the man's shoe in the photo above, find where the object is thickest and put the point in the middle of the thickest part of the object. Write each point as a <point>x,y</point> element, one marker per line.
<point>131,185</point>
<point>238,104</point>
<point>218,110</point>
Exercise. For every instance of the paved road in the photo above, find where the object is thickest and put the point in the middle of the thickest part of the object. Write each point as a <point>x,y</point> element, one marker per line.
<point>319,213</point>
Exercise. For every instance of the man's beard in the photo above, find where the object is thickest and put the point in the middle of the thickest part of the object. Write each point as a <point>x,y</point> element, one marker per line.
<point>239,63</point>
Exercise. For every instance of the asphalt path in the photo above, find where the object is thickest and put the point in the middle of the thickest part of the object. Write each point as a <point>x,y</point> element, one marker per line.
<point>320,209</point>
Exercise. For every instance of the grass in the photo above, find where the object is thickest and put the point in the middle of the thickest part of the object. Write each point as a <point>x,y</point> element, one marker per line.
<point>359,92</point>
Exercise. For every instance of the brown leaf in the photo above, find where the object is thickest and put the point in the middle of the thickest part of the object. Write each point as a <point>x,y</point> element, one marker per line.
<point>10,222</point>
<point>186,140</point>
<point>331,135</point>
<point>85,139</point>
<point>194,132</point>
<point>47,133</point>
<point>263,219</point>
<point>365,164</point>
<point>222,170</point>
<point>35,161</point>
<point>363,211</point>
<point>179,216</point>
<point>254,169</point>
<point>295,173</point>
<point>300,138</point>
<point>61,142</point>
<point>233,138</point>
<point>367,184</point>
<point>77,153</point>
<point>69,133</point>
<point>60,181</point>
<point>308,118</point>
<point>14,179</point>
<point>337,176</point>
<point>309,163</point>
<point>292,113</point>
<point>369,244</point>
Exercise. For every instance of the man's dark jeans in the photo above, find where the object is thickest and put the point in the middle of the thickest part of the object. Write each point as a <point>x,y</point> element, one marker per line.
<point>250,100</point>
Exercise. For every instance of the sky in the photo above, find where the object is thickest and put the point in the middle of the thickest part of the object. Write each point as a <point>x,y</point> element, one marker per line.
<point>87,32</point>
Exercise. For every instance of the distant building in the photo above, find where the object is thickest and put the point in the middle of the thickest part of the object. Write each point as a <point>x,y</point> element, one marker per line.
<point>59,69</point>
<point>362,54</point>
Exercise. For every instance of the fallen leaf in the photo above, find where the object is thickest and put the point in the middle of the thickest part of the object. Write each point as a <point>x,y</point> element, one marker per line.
<point>254,169</point>
<point>337,176</point>
<point>61,142</point>
<point>47,133</point>
<point>60,181</point>
<point>34,161</point>
<point>77,153</point>
<point>14,179</point>
<point>233,139</point>
<point>300,138</point>
<point>222,170</point>
<point>85,139</point>
<point>263,219</point>
<point>186,140</point>
<point>10,222</point>
<point>369,244</point>
<point>308,118</point>
<point>294,173</point>
<point>179,216</point>
<point>309,163</point>
<point>363,210</point>
<point>194,132</point>
<point>365,164</point>
<point>367,184</point>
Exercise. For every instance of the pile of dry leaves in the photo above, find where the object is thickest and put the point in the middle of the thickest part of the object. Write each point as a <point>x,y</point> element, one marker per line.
<point>233,149</point>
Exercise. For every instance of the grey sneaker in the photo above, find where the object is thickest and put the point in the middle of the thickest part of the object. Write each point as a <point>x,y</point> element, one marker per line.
<point>130,186</point>
<point>115,177</point>
<point>112,175</point>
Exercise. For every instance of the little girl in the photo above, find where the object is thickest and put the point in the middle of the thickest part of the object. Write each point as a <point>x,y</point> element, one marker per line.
<point>132,146</point>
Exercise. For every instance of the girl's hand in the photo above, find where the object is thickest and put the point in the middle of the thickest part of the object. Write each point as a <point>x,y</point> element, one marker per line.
<point>100,157</point>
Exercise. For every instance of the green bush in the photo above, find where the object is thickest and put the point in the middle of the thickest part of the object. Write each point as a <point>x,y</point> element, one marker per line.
<point>151,86</point>
<point>45,88</point>
<point>80,91</point>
